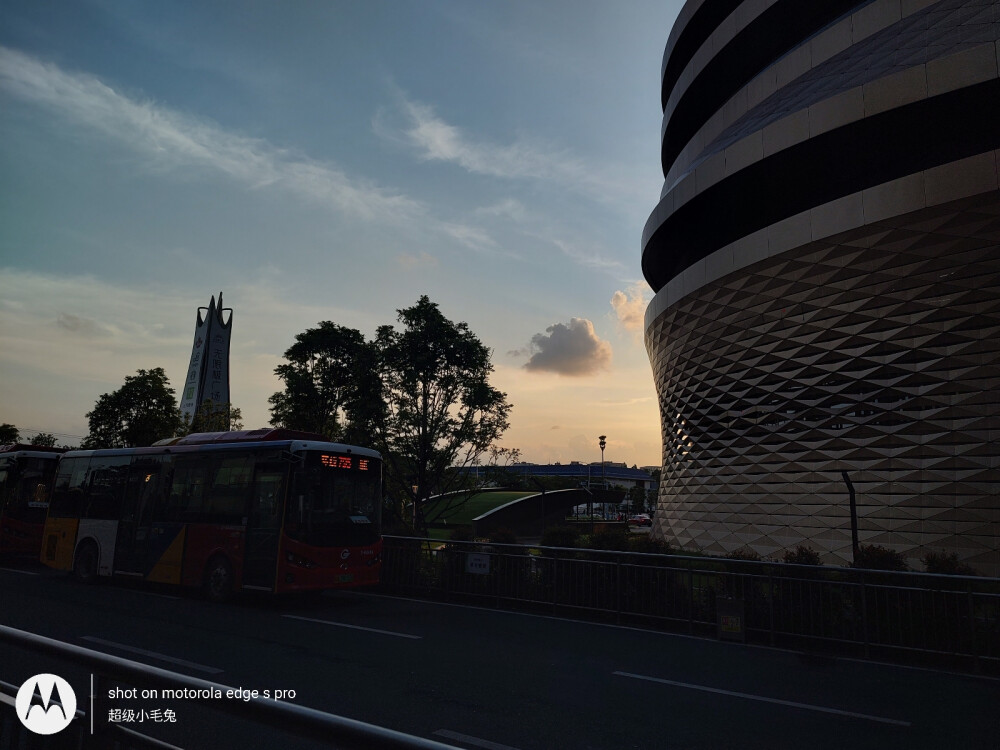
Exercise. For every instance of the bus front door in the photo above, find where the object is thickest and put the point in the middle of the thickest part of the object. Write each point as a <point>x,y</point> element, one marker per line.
<point>260,558</point>
<point>131,546</point>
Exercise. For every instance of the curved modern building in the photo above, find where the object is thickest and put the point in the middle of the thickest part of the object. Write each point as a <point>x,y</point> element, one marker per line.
<point>826,261</point>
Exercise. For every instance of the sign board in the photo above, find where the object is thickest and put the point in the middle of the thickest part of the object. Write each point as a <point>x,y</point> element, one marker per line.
<point>731,620</point>
<point>478,563</point>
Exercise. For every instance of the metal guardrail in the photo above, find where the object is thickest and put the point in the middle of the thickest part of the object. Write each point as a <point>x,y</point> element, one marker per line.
<point>952,621</point>
<point>285,718</point>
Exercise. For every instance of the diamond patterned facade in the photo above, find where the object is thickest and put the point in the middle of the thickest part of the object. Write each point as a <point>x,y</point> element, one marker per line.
<point>857,338</point>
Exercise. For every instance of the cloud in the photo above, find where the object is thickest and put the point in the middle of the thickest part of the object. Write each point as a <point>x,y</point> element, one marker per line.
<point>523,158</point>
<point>78,325</point>
<point>630,307</point>
<point>573,350</point>
<point>173,140</point>
<point>410,262</point>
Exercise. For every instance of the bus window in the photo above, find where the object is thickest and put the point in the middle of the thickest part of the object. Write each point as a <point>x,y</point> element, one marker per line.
<point>186,501</point>
<point>227,499</point>
<point>67,493</point>
<point>106,487</point>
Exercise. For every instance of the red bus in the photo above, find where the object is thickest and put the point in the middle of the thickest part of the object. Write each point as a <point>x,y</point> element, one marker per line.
<point>26,473</point>
<point>262,510</point>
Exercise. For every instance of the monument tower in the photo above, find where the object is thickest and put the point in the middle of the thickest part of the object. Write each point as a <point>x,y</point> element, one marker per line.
<point>208,372</point>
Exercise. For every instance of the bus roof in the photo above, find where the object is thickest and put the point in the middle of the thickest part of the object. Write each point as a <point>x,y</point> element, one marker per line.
<point>32,451</point>
<point>290,445</point>
<point>241,436</point>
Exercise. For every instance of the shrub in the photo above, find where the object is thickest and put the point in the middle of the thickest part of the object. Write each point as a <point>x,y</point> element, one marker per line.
<point>743,553</point>
<point>946,564</point>
<point>560,536</point>
<point>876,557</point>
<point>802,555</point>
<point>503,536</point>
<point>609,540</point>
<point>645,543</point>
<point>462,534</point>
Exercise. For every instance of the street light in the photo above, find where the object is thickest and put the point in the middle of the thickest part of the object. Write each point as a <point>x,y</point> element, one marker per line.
<point>604,443</point>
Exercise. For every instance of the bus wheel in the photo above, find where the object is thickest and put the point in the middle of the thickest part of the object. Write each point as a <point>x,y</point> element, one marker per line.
<point>85,563</point>
<point>218,584</point>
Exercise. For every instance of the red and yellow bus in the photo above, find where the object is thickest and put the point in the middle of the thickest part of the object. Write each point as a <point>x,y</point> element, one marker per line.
<point>261,510</point>
<point>26,474</point>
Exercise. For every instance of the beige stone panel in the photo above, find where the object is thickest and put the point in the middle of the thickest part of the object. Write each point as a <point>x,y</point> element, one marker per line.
<point>962,69</point>
<point>744,152</point>
<point>875,17</point>
<point>838,110</point>
<point>891,199</point>
<point>961,179</point>
<point>786,132</point>
<point>895,90</point>
<point>833,41</point>
<point>837,216</point>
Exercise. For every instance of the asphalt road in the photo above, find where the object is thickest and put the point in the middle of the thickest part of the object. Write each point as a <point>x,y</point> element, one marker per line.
<point>477,678</point>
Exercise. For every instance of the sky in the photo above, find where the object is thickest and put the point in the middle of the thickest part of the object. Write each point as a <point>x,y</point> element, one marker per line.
<point>327,160</point>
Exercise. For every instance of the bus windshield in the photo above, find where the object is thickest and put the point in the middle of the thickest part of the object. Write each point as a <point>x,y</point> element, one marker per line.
<point>335,500</point>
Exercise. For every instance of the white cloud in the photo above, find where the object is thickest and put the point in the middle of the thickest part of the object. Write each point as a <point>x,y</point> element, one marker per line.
<point>630,307</point>
<point>435,139</point>
<point>173,140</point>
<point>573,350</point>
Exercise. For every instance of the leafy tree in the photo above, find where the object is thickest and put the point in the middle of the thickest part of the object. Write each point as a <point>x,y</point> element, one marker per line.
<point>139,413</point>
<point>877,557</point>
<point>212,417</point>
<point>802,555</point>
<point>328,372</point>
<point>946,563</point>
<point>440,410</point>
<point>9,434</point>
<point>44,439</point>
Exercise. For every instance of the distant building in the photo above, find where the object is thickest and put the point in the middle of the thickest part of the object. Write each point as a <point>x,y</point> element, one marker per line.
<point>825,257</point>
<point>615,474</point>
<point>208,371</point>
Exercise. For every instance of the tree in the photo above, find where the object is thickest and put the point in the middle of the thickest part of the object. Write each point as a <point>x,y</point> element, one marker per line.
<point>440,411</point>
<point>44,439</point>
<point>324,377</point>
<point>212,417</point>
<point>420,396</point>
<point>139,413</point>
<point>9,434</point>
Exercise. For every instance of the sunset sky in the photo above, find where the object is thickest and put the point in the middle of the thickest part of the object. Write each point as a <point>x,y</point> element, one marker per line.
<point>334,161</point>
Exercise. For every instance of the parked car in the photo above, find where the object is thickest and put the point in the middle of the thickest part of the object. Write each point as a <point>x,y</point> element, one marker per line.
<point>640,520</point>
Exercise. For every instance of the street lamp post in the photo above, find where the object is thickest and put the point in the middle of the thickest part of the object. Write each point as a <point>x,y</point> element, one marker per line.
<point>604,476</point>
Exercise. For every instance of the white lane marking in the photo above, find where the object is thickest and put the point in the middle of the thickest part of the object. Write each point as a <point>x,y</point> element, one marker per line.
<point>474,741</point>
<point>356,627</point>
<point>668,634</point>
<point>22,572</point>
<point>152,654</point>
<point>750,696</point>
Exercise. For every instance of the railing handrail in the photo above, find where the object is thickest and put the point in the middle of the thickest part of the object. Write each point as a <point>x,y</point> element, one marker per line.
<point>728,562</point>
<point>298,720</point>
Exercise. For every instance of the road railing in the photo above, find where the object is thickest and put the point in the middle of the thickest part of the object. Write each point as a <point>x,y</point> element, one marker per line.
<point>91,729</point>
<point>938,619</point>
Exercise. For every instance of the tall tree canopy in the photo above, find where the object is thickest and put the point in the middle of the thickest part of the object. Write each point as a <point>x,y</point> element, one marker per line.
<point>322,377</point>
<point>441,411</point>
<point>420,395</point>
<point>139,413</point>
<point>9,434</point>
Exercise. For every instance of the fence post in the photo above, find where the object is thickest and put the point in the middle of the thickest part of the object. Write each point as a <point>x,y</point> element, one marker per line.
<point>690,601</point>
<point>864,614</point>
<point>972,630</point>
<point>770,600</point>
<point>618,589</point>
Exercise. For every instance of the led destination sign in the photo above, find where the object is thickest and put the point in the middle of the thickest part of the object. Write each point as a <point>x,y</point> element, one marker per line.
<point>331,461</point>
